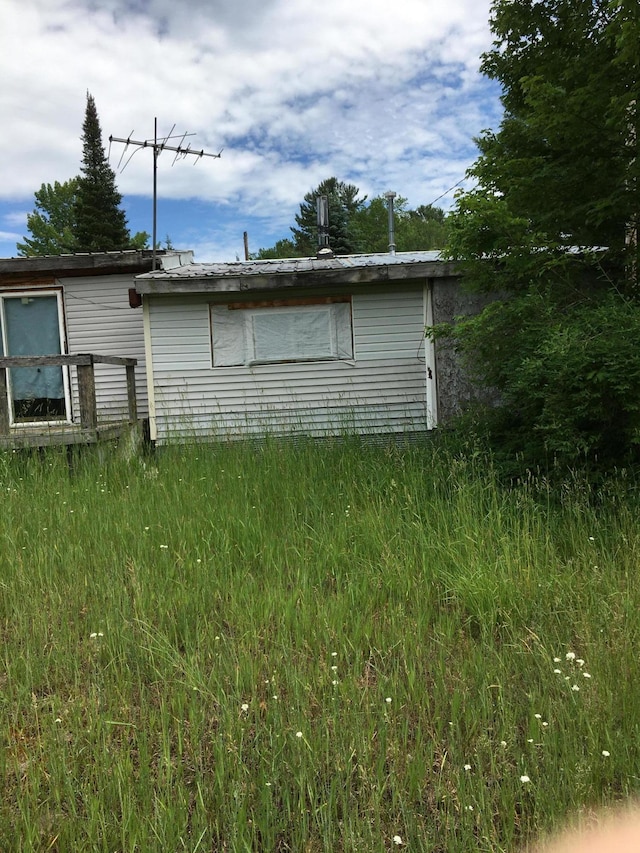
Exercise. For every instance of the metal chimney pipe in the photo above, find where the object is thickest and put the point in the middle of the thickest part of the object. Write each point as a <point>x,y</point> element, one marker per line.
<point>392,236</point>
<point>322,209</point>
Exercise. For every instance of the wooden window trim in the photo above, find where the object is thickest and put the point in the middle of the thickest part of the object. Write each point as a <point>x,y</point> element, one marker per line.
<point>287,303</point>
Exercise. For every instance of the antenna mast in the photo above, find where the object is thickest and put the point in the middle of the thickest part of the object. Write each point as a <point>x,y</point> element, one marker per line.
<point>157,146</point>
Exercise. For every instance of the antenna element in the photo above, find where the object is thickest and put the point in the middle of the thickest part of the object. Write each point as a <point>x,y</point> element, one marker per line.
<point>157,146</point>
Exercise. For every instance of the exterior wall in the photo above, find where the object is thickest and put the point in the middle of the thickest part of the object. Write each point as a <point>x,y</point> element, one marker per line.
<point>382,390</point>
<point>455,390</point>
<point>99,320</point>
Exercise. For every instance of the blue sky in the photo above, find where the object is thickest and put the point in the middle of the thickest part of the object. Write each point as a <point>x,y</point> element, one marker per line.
<point>385,96</point>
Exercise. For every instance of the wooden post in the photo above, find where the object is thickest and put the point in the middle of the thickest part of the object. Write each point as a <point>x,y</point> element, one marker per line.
<point>131,393</point>
<point>4,403</point>
<point>87,396</point>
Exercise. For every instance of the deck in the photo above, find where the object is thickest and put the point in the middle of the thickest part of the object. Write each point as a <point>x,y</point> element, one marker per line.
<point>89,428</point>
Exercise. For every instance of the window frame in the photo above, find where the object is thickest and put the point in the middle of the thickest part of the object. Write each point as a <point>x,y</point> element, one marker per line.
<point>253,308</point>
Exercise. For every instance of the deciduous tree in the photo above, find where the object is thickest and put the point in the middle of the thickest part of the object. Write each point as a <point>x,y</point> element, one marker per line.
<point>549,226</point>
<point>52,223</point>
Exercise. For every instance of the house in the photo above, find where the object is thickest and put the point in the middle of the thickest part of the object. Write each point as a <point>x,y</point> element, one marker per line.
<point>317,346</point>
<point>70,304</point>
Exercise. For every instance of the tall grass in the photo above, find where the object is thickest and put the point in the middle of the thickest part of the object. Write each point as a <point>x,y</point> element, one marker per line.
<point>320,647</point>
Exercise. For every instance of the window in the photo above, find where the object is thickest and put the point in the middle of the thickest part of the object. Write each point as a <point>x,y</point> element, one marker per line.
<point>30,325</point>
<point>285,331</point>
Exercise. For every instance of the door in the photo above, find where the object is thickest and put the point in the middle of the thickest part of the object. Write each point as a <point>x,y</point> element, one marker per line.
<point>32,325</point>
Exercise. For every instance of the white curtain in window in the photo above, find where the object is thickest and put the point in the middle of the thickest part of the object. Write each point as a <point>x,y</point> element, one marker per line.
<point>280,335</point>
<point>291,333</point>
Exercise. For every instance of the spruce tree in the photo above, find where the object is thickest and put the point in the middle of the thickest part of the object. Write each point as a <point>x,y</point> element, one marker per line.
<point>344,202</point>
<point>101,225</point>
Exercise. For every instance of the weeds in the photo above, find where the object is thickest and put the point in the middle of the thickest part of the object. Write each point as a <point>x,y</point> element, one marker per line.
<point>320,647</point>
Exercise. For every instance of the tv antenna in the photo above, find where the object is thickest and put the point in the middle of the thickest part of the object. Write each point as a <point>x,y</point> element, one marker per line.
<point>158,146</point>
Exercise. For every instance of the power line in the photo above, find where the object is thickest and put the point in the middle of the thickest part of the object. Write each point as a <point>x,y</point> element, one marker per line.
<point>446,192</point>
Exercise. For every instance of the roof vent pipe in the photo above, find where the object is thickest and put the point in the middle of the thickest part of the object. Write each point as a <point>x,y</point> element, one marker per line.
<point>392,237</point>
<point>322,208</point>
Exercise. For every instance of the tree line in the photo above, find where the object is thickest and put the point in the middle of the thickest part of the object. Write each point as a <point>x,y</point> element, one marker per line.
<point>358,224</point>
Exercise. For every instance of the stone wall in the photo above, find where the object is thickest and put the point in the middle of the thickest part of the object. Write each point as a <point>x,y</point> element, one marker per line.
<point>455,390</point>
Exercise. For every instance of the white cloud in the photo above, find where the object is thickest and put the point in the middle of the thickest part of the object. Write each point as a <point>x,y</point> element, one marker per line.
<point>293,90</point>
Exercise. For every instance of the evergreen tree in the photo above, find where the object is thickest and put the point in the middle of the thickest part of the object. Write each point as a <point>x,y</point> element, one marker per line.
<point>551,225</point>
<point>100,223</point>
<point>343,203</point>
<point>52,224</point>
<point>356,225</point>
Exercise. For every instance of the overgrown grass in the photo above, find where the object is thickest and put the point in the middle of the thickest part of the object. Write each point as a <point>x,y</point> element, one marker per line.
<point>310,648</point>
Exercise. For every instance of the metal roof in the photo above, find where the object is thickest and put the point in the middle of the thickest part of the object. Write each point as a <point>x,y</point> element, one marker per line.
<point>287,266</point>
<point>125,260</point>
<point>328,271</point>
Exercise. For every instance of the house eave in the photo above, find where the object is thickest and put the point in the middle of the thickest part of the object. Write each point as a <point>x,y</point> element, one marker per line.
<point>63,266</point>
<point>261,279</point>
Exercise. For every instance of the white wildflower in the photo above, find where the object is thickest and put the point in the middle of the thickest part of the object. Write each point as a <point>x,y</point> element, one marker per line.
<point>397,840</point>
<point>606,753</point>
<point>575,688</point>
<point>570,656</point>
<point>298,734</point>
<point>558,671</point>
<point>245,706</point>
<point>524,779</point>
<point>467,767</point>
<point>388,700</point>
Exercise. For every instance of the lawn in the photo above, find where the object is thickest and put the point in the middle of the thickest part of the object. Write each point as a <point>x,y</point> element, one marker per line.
<point>311,647</point>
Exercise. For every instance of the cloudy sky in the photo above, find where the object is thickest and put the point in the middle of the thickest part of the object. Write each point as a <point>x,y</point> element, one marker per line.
<point>385,95</point>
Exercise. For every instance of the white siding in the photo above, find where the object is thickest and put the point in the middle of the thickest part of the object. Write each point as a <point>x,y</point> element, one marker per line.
<point>99,320</point>
<point>382,390</point>
<point>389,325</point>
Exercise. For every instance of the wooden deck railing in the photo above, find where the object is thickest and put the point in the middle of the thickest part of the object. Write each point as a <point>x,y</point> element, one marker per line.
<point>85,364</point>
